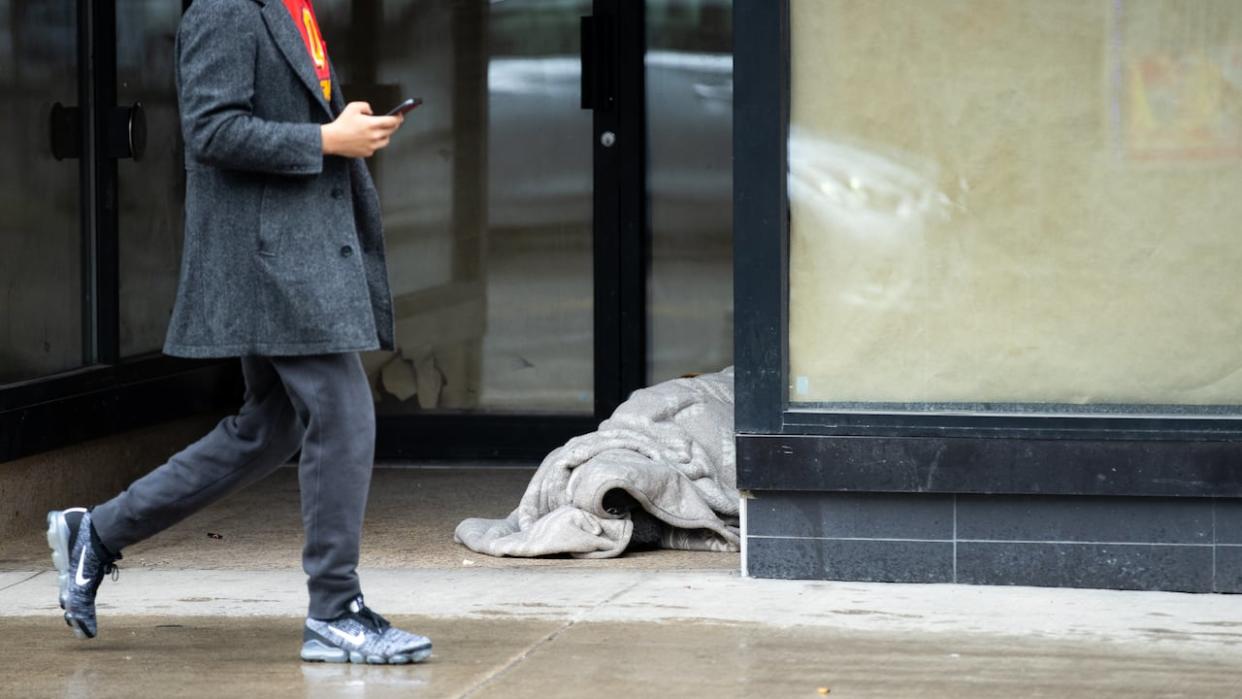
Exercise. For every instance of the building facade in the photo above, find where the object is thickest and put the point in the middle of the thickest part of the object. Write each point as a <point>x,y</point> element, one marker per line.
<point>975,261</point>
<point>987,291</point>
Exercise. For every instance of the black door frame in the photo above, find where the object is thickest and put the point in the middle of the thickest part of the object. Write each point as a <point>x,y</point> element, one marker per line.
<point>113,394</point>
<point>621,230</point>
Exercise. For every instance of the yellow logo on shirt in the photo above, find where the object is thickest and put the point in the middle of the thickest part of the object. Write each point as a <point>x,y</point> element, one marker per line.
<point>317,51</point>
<point>316,41</point>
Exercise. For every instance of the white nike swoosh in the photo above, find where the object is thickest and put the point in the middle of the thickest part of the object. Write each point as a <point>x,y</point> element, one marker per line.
<point>81,564</point>
<point>353,639</point>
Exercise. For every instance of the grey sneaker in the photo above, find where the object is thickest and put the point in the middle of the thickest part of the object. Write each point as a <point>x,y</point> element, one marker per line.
<point>80,567</point>
<point>361,636</point>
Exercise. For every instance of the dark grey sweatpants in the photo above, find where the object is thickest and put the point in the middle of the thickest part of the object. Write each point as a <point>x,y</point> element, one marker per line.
<point>321,404</point>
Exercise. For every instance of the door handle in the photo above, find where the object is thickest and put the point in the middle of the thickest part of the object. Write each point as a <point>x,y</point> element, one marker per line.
<point>127,132</point>
<point>126,136</point>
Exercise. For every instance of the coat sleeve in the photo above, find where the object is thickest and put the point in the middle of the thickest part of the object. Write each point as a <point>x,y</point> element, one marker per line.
<point>216,52</point>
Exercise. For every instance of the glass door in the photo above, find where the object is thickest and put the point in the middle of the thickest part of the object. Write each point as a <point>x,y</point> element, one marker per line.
<point>44,323</point>
<point>487,197</point>
<point>538,279</point>
<point>92,183</point>
<point>504,214</point>
<point>500,209</point>
<point>91,187</point>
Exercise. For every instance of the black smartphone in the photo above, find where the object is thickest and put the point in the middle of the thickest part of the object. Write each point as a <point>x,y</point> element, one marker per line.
<point>405,106</point>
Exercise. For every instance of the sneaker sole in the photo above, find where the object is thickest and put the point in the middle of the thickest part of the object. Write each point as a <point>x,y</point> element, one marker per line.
<point>58,541</point>
<point>316,652</point>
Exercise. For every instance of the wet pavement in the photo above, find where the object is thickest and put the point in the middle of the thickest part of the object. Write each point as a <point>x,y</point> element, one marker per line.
<point>256,657</point>
<point>195,615</point>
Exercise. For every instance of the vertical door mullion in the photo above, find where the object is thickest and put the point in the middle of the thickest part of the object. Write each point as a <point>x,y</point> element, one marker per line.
<point>632,194</point>
<point>86,180</point>
<point>620,201</point>
<point>607,234</point>
<point>103,194</point>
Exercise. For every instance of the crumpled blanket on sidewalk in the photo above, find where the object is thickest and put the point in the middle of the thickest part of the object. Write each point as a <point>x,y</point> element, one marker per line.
<point>667,450</point>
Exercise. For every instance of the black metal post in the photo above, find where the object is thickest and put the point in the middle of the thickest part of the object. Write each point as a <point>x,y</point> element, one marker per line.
<point>621,226</point>
<point>761,224</point>
<point>103,197</point>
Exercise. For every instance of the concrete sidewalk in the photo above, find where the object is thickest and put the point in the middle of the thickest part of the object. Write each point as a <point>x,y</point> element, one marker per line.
<point>1202,623</point>
<point>539,632</point>
<point>213,607</point>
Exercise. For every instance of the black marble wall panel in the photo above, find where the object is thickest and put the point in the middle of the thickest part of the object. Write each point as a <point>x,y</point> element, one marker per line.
<point>1127,543</point>
<point>859,560</point>
<point>852,515</point>
<point>1228,518</point>
<point>1229,569</point>
<point>1101,519</point>
<point>1114,566</point>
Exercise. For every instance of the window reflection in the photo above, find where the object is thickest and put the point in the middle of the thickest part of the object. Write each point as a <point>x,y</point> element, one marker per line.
<point>487,199</point>
<point>41,300</point>
<point>151,191</point>
<point>690,184</point>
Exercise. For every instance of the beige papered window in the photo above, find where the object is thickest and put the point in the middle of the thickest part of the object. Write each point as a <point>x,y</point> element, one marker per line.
<point>1030,204</point>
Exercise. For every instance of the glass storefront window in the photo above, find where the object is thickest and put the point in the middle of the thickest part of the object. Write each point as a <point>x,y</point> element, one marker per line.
<point>1011,206</point>
<point>689,65</point>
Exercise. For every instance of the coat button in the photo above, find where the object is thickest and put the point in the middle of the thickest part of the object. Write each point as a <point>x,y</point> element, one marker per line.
<point>337,192</point>
<point>346,251</point>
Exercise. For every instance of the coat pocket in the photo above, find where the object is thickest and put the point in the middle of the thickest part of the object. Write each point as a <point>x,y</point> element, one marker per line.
<point>270,224</point>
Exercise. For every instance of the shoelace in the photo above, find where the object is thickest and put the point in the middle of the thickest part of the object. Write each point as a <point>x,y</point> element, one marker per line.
<point>380,623</point>
<point>113,570</point>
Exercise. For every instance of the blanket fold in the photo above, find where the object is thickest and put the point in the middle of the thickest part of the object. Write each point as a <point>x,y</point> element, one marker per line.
<point>669,448</point>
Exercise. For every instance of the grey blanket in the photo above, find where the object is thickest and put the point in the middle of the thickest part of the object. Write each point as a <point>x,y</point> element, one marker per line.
<point>667,450</point>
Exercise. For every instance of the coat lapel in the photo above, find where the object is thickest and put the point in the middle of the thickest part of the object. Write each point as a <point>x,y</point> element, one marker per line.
<point>286,35</point>
<point>338,97</point>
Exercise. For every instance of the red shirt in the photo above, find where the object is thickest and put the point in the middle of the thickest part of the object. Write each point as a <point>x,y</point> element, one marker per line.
<point>304,17</point>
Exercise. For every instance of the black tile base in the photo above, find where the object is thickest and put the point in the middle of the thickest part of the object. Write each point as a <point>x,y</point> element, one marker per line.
<point>1113,566</point>
<point>852,516</point>
<point>1229,569</point>
<point>1228,519</point>
<point>1124,543</point>
<point>1085,518</point>
<point>864,561</point>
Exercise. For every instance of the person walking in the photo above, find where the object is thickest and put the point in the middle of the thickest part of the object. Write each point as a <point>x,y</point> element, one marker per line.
<point>283,267</point>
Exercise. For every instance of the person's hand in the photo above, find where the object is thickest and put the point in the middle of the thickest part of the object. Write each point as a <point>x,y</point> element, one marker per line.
<point>356,133</point>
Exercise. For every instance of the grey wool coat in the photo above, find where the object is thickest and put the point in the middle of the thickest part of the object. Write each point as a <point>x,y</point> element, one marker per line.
<point>284,250</point>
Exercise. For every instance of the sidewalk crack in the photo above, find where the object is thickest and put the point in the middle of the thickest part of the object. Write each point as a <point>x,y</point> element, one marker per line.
<point>548,638</point>
<point>23,580</point>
